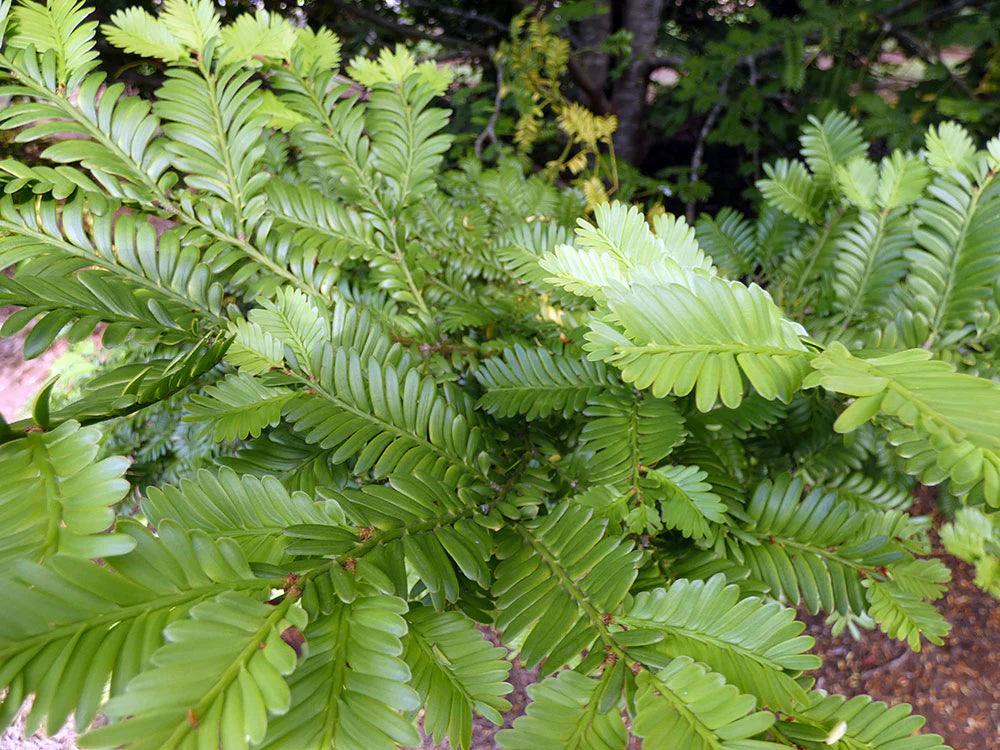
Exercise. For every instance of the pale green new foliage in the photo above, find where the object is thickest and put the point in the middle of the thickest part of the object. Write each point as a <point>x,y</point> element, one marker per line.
<point>904,254</point>
<point>973,537</point>
<point>446,401</point>
<point>58,497</point>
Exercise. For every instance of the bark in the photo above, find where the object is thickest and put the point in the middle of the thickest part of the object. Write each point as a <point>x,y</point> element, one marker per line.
<point>642,18</point>
<point>589,65</point>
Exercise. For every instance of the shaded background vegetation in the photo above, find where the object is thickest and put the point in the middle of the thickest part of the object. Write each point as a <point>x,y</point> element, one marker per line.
<point>706,91</point>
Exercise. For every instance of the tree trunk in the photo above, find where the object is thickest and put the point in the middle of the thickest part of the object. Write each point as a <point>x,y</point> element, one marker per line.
<point>590,63</point>
<point>642,18</point>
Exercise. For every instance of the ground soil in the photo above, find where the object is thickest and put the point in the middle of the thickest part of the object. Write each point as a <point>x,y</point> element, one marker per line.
<point>955,686</point>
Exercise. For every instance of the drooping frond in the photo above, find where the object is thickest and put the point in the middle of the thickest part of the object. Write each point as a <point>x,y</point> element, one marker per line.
<point>427,523</point>
<point>392,421</point>
<point>128,388</point>
<point>124,245</point>
<point>686,704</point>
<point>69,296</point>
<point>227,700</point>
<point>831,721</point>
<point>822,551</point>
<point>536,383</point>
<point>81,625</point>
<point>756,645</point>
<point>686,501</point>
<point>958,258</point>
<point>456,671</point>
<point>625,436</point>
<point>904,615</point>
<point>565,712</point>
<point>253,512</point>
<point>560,574</point>
<point>238,406</point>
<point>58,497</point>
<point>870,261</point>
<point>947,424</point>
<point>702,337</point>
<point>351,689</point>
<point>213,134</point>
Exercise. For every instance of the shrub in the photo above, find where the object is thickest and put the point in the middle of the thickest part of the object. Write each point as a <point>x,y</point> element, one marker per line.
<point>900,253</point>
<point>443,412</point>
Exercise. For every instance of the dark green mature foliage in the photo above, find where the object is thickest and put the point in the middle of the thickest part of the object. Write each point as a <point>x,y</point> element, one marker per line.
<point>444,414</point>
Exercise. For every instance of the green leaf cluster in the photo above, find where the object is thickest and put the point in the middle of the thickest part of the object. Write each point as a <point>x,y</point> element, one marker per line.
<point>445,401</point>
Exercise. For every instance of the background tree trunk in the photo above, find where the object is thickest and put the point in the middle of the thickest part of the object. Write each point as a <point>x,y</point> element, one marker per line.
<point>642,19</point>
<point>589,66</point>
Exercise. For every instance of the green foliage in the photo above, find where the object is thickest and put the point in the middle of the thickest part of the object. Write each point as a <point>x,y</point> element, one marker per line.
<point>436,408</point>
<point>904,251</point>
<point>565,711</point>
<point>455,671</point>
<point>973,537</point>
<point>686,703</point>
<point>59,497</point>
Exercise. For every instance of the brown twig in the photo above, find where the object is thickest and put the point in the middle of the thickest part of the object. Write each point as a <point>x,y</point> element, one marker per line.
<point>490,130</point>
<point>699,148</point>
<point>887,666</point>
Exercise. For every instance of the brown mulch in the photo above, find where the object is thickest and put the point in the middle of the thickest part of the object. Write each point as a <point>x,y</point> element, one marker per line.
<point>956,686</point>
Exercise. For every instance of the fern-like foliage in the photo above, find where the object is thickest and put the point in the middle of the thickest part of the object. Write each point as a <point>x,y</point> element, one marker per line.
<point>832,721</point>
<point>944,423</point>
<point>556,607</point>
<point>58,499</point>
<point>67,654</point>
<point>534,383</point>
<point>381,405</point>
<point>241,640</point>
<point>711,622</point>
<point>251,512</point>
<point>455,671</point>
<point>565,710</point>
<point>350,691</point>
<point>686,702</point>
